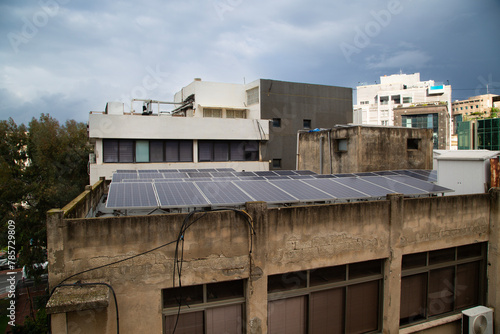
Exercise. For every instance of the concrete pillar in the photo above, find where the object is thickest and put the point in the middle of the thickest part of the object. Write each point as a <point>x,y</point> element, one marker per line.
<point>256,300</point>
<point>494,257</point>
<point>55,244</point>
<point>392,268</point>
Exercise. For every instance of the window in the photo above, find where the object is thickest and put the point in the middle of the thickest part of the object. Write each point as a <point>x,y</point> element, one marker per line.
<point>208,308</point>
<point>412,143</point>
<point>140,151</point>
<point>276,163</point>
<point>441,281</point>
<point>341,145</point>
<point>211,112</point>
<point>276,122</point>
<point>340,299</point>
<point>236,113</point>
<point>307,123</point>
<point>384,100</point>
<point>424,121</point>
<point>253,96</point>
<point>396,99</point>
<point>407,99</point>
<point>118,150</point>
<point>228,150</point>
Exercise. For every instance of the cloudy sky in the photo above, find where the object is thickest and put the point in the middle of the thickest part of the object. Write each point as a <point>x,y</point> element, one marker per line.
<point>67,57</point>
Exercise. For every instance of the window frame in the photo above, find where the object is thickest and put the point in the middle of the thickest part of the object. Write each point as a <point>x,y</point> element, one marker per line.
<point>119,142</point>
<point>429,268</point>
<point>247,144</point>
<point>205,304</point>
<point>344,284</point>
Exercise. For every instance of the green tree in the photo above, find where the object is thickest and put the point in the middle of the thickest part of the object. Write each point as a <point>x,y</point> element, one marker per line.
<point>494,112</point>
<point>42,167</point>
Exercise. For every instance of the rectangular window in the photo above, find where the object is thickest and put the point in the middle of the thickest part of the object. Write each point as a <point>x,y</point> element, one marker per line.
<point>209,308</point>
<point>276,122</point>
<point>407,99</point>
<point>236,113</point>
<point>129,151</point>
<point>141,151</point>
<point>441,282</point>
<point>228,150</point>
<point>341,145</point>
<point>384,100</point>
<point>412,143</point>
<point>340,299</point>
<point>276,163</point>
<point>253,96</point>
<point>212,112</point>
<point>307,123</point>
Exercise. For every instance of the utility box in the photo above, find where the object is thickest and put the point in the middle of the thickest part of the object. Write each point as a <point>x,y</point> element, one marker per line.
<point>477,320</point>
<point>465,171</point>
<point>114,108</point>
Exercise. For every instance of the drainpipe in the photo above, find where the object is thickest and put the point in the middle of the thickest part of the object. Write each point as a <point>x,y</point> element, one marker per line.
<point>321,154</point>
<point>330,149</point>
<point>297,156</point>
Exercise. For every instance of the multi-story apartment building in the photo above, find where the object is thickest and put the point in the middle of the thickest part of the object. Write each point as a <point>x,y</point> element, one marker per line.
<point>474,107</point>
<point>375,103</point>
<point>214,125</point>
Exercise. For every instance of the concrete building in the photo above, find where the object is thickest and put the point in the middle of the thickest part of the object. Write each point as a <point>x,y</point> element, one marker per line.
<point>375,103</point>
<point>395,265</point>
<point>433,116</point>
<point>474,107</point>
<point>214,125</point>
<point>483,134</point>
<point>355,148</point>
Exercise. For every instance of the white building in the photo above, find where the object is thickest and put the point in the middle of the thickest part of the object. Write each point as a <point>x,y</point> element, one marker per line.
<point>375,103</point>
<point>192,135</point>
<point>214,125</point>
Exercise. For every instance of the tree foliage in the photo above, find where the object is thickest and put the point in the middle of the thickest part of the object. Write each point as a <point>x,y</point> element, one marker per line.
<point>43,166</point>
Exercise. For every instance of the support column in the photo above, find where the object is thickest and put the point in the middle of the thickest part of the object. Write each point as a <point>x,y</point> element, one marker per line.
<point>494,257</point>
<point>392,268</point>
<point>256,297</point>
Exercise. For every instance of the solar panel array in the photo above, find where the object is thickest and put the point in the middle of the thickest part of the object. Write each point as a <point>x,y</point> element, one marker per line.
<point>180,188</point>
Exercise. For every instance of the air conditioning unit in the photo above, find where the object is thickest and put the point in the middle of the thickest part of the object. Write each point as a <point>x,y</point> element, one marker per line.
<point>477,320</point>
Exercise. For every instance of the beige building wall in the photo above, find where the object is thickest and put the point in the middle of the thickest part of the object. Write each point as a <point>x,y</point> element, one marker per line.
<point>219,248</point>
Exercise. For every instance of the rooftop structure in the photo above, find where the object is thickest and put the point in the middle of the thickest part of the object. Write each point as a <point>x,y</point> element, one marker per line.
<point>214,125</point>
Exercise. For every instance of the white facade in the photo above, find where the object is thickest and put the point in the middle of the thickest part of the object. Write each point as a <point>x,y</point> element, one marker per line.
<point>464,171</point>
<point>236,123</point>
<point>375,103</point>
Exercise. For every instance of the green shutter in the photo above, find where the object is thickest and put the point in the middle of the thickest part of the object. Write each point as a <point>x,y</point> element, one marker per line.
<point>142,151</point>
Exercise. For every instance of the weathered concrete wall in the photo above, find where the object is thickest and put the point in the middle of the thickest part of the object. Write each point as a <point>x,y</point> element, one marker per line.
<point>216,248</point>
<point>368,149</point>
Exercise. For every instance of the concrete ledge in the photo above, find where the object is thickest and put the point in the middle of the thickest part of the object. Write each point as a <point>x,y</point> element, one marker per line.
<point>78,298</point>
<point>431,324</point>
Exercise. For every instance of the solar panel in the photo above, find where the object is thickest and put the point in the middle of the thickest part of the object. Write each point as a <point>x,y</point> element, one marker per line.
<point>323,176</point>
<point>169,171</point>
<point>386,172</point>
<point>304,172</point>
<point>423,185</point>
<point>179,194</point>
<point>131,195</point>
<point>151,175</point>
<point>302,191</point>
<point>188,170</point>
<point>175,175</point>
<point>126,171</point>
<point>285,172</point>
<point>420,174</point>
<point>148,171</point>
<point>118,177</point>
<point>300,177</point>
<point>222,174</point>
<point>345,175</point>
<point>277,177</point>
<point>365,174</point>
<point>265,191</point>
<point>336,190</point>
<point>223,193</point>
<point>137,180</point>
<point>199,174</point>
<point>265,173</point>
<point>393,185</point>
<point>244,174</point>
<point>370,189</point>
<point>225,169</point>
<point>248,178</point>
<point>207,170</point>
